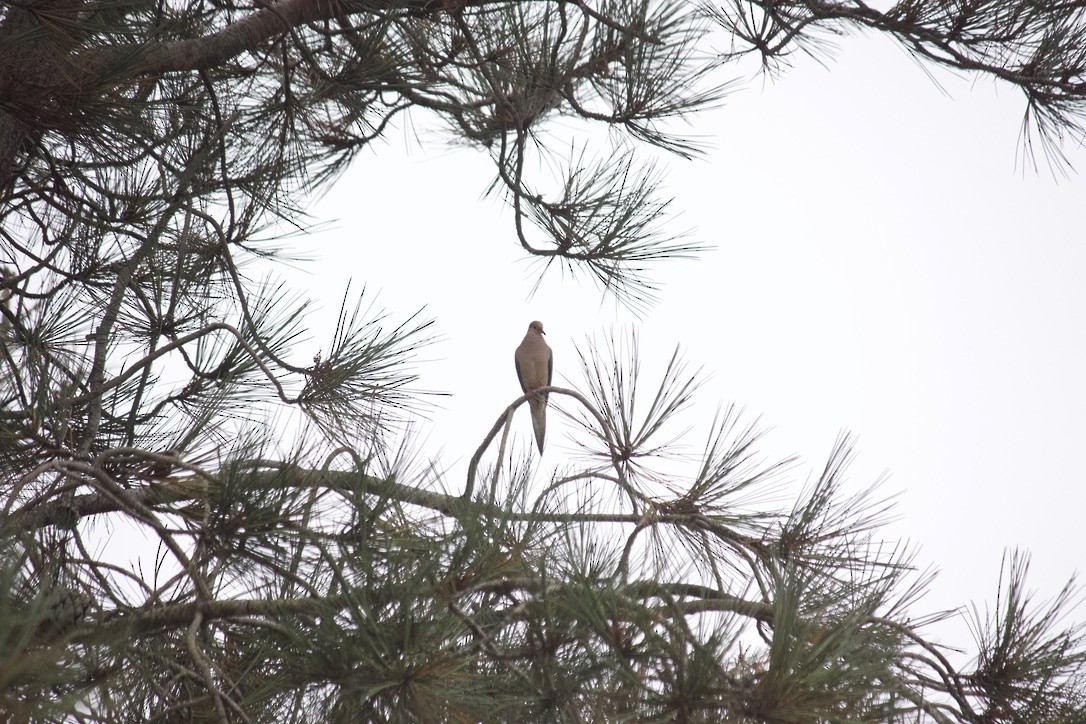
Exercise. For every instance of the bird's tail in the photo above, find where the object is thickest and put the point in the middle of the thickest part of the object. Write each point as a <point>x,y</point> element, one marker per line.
<point>538,406</point>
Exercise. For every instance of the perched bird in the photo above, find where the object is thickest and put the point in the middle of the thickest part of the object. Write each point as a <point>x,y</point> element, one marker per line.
<point>534,366</point>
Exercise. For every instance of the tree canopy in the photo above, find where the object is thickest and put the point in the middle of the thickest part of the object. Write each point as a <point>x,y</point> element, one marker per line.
<point>150,154</point>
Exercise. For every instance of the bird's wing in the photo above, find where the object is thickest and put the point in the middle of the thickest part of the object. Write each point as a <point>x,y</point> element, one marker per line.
<point>520,375</point>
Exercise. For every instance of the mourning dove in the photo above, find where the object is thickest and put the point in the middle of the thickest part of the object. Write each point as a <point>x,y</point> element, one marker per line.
<point>534,366</point>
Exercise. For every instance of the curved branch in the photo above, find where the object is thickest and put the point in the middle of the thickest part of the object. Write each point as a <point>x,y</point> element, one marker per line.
<point>507,415</point>
<point>179,343</point>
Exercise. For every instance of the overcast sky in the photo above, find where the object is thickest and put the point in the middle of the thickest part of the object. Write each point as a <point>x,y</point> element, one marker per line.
<point>884,262</point>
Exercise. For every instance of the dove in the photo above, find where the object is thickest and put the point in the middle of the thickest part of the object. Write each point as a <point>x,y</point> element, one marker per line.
<point>535,364</point>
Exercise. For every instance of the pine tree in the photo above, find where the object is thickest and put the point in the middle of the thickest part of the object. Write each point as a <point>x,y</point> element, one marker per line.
<point>150,155</point>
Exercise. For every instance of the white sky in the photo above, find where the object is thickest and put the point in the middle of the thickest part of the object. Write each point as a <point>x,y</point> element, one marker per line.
<point>883,264</point>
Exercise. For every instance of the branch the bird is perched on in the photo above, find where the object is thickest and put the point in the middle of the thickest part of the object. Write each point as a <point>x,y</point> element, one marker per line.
<point>535,366</point>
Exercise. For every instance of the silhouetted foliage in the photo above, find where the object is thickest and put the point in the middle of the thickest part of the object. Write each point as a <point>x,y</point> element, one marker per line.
<point>150,153</point>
